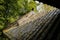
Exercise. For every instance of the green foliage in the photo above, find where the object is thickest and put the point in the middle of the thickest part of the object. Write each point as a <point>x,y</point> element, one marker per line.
<point>19,7</point>
<point>1,1</point>
<point>2,7</point>
<point>25,6</point>
<point>31,5</point>
<point>2,19</point>
<point>13,9</point>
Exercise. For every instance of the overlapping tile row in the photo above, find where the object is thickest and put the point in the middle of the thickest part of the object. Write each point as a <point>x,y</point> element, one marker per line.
<point>46,28</point>
<point>32,26</point>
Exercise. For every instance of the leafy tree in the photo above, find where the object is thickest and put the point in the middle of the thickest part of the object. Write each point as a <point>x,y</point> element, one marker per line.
<point>11,10</point>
